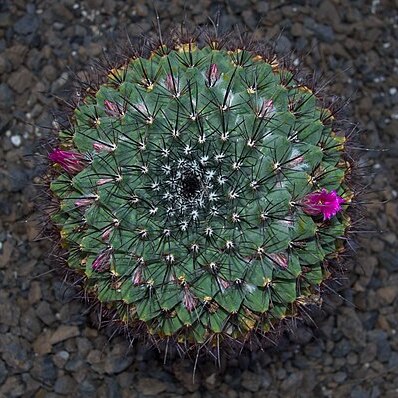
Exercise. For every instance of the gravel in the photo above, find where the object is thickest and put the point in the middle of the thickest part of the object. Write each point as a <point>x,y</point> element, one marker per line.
<point>48,347</point>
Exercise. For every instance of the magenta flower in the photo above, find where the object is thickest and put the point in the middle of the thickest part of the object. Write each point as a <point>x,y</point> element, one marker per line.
<point>70,161</point>
<point>322,202</point>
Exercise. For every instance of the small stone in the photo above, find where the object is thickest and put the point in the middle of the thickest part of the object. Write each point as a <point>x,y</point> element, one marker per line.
<point>42,345</point>
<point>351,326</point>
<point>327,12</point>
<point>94,357</point>
<point>44,370</point>
<point>377,245</point>
<point>141,10</point>
<point>75,365</point>
<point>339,377</point>
<point>8,314</point>
<point>387,294</point>
<point>113,388</point>
<point>211,379</point>
<point>21,80</point>
<point>6,97</point>
<point>27,24</point>
<point>45,314</point>
<point>367,265</point>
<point>262,7</point>
<point>251,381</point>
<point>64,332</point>
<point>293,381</point>
<point>359,392</point>
<point>283,44</point>
<point>3,372</point>
<point>16,140</point>
<point>12,387</point>
<point>297,29</point>
<point>19,176</point>
<point>34,292</point>
<point>390,238</point>
<point>87,386</point>
<point>14,350</point>
<point>342,348</point>
<point>301,335</point>
<point>60,358</point>
<point>148,386</point>
<point>83,345</point>
<point>117,363</point>
<point>65,385</point>
<point>322,32</point>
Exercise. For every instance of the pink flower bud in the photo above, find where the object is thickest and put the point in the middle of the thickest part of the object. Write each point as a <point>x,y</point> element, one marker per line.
<point>107,232</point>
<point>103,181</point>
<point>113,109</point>
<point>296,161</point>
<point>224,283</point>
<point>71,162</point>
<point>137,278</point>
<point>103,261</point>
<point>84,202</point>
<point>172,84</point>
<point>98,147</point>
<point>280,259</point>
<point>189,301</point>
<point>212,75</point>
<point>266,109</point>
<point>322,202</point>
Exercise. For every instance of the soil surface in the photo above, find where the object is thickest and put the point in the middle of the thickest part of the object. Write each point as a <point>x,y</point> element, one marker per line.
<point>48,347</point>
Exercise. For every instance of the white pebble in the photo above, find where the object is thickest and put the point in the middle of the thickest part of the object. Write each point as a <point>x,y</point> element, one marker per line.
<point>392,90</point>
<point>16,140</point>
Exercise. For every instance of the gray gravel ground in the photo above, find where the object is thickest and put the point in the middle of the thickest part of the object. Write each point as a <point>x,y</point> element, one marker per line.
<point>48,349</point>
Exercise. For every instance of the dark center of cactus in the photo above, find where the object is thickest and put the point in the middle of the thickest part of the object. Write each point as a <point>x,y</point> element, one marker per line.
<point>190,185</point>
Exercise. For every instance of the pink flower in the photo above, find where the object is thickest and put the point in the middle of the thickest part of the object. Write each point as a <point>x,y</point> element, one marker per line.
<point>212,75</point>
<point>103,261</point>
<point>70,161</point>
<point>322,202</point>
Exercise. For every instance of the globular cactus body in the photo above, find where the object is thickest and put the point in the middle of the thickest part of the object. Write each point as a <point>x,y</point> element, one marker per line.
<point>202,193</point>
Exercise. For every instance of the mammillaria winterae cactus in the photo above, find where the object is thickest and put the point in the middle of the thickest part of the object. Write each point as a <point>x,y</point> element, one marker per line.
<point>202,192</point>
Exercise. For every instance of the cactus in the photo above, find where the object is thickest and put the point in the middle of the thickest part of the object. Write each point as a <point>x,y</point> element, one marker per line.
<point>202,193</point>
